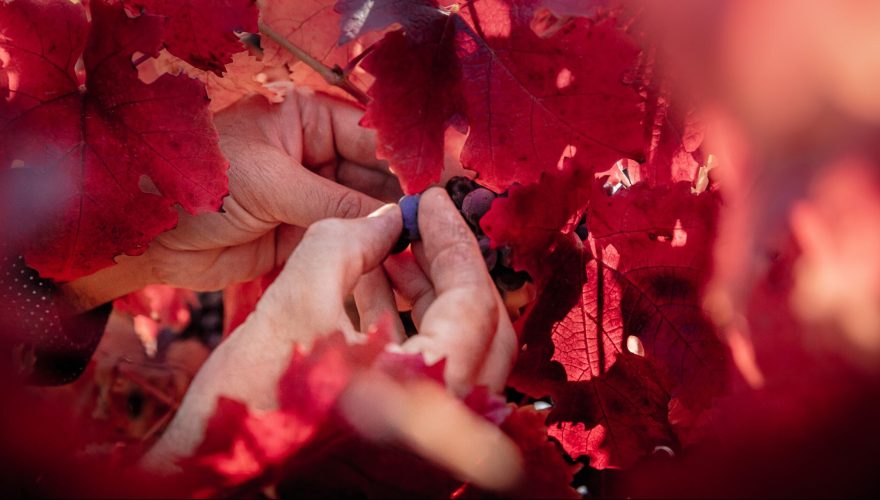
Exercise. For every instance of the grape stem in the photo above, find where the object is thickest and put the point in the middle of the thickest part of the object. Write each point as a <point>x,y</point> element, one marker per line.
<point>357,60</point>
<point>334,76</point>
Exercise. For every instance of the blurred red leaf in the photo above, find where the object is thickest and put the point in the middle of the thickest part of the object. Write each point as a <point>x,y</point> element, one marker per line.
<point>584,8</point>
<point>165,304</point>
<point>156,307</point>
<point>243,446</point>
<point>358,17</point>
<point>102,131</point>
<point>50,450</point>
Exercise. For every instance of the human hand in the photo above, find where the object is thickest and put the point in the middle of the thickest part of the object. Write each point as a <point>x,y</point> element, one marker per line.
<point>291,164</point>
<point>456,307</point>
<point>459,315</point>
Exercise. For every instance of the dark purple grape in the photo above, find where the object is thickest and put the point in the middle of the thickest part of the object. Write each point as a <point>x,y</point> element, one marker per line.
<point>490,255</point>
<point>581,231</point>
<point>409,209</point>
<point>458,187</point>
<point>476,204</point>
<point>509,280</point>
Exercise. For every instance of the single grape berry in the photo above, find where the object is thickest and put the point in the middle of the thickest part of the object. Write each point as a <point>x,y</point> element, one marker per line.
<point>504,257</point>
<point>490,255</point>
<point>581,231</point>
<point>409,209</point>
<point>476,204</point>
<point>458,187</point>
<point>509,280</point>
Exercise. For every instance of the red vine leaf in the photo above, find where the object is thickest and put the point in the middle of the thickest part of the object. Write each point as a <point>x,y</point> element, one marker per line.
<point>583,8</point>
<point>362,16</point>
<point>415,97</point>
<point>313,27</point>
<point>608,404</point>
<point>674,138</point>
<point>245,450</point>
<point>202,32</point>
<point>531,217</point>
<point>528,98</point>
<point>243,446</point>
<point>244,76</point>
<point>614,419</point>
<point>100,139</point>
<point>642,275</point>
<point>547,474</point>
<point>247,74</point>
<point>664,236</point>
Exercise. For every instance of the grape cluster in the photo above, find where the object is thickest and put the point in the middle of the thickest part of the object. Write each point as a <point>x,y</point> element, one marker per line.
<point>473,201</point>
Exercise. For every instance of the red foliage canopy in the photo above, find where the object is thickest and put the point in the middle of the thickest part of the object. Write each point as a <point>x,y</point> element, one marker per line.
<point>640,275</point>
<point>525,98</point>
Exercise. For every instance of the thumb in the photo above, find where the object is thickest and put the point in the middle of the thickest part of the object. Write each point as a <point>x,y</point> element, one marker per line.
<point>337,252</point>
<point>327,264</point>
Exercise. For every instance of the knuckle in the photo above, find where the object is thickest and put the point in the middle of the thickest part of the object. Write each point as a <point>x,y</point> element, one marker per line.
<point>348,206</point>
<point>459,254</point>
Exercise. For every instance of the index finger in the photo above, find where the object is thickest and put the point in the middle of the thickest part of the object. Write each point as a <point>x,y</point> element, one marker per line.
<point>332,256</point>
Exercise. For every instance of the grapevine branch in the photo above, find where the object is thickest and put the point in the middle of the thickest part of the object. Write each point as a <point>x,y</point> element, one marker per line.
<point>334,76</point>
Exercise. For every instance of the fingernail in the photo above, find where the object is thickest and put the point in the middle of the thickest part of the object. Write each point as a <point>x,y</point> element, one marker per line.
<point>384,209</point>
